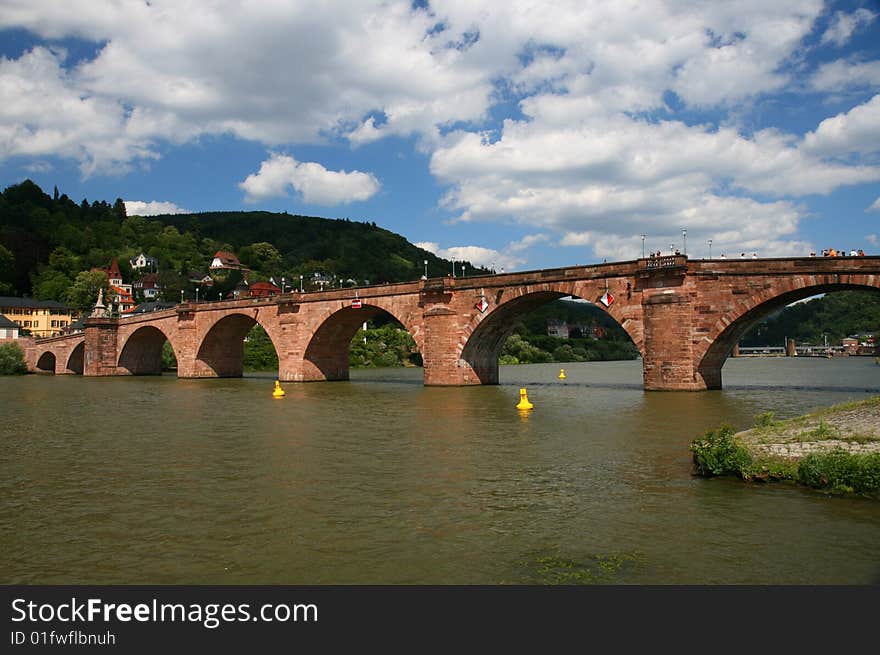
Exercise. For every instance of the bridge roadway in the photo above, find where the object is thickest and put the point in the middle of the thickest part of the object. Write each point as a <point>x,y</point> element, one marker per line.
<point>683,315</point>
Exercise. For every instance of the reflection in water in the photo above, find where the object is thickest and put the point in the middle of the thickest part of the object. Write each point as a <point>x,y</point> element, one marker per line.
<point>382,480</point>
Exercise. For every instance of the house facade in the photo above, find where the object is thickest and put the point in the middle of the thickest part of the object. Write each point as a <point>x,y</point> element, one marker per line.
<point>41,318</point>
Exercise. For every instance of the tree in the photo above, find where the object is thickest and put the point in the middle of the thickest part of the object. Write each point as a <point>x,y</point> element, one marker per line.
<point>11,359</point>
<point>83,294</point>
<point>7,270</point>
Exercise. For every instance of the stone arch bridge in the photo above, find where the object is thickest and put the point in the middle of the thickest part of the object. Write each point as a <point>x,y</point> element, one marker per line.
<point>684,316</point>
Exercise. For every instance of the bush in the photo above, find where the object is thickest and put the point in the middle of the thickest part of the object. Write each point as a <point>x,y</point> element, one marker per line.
<point>718,453</point>
<point>12,359</point>
<point>841,472</point>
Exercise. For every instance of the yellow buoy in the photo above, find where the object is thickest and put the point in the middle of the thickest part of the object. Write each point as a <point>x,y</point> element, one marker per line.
<point>562,374</point>
<point>278,392</point>
<point>524,400</point>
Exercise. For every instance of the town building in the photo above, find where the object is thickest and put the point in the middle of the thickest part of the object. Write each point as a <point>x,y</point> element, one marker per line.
<point>147,286</point>
<point>263,290</point>
<point>8,329</point>
<point>225,260</point>
<point>39,318</point>
<point>143,261</point>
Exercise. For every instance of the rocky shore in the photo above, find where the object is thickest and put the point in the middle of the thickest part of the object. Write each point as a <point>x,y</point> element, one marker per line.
<point>853,427</point>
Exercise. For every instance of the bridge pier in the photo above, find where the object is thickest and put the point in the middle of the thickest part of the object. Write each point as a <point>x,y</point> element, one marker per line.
<point>441,353</point>
<point>668,360</point>
<point>100,347</point>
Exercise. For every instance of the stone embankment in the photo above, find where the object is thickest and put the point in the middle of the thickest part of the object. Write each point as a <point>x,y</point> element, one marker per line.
<point>854,427</point>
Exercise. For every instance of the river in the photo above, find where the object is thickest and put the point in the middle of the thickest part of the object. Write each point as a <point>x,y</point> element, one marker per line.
<point>380,480</point>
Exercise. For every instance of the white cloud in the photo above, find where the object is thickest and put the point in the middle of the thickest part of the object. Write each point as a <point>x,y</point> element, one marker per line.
<point>873,239</point>
<point>875,206</point>
<point>843,26</point>
<point>152,208</point>
<point>857,130</point>
<point>842,74</point>
<point>316,184</point>
<point>508,260</point>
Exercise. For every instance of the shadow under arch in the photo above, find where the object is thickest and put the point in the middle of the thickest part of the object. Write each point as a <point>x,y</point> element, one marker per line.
<point>328,349</point>
<point>46,363</point>
<point>75,363</point>
<point>716,353</point>
<point>142,352</point>
<point>221,353</point>
<point>484,343</point>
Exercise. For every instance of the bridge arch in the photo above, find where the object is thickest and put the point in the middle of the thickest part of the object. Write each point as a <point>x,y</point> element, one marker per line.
<point>75,362</point>
<point>485,335</point>
<point>141,353</point>
<point>221,351</point>
<point>326,355</point>
<point>715,347</point>
<point>46,362</point>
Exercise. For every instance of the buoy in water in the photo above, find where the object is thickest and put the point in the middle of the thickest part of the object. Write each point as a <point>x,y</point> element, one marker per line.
<point>524,401</point>
<point>562,374</point>
<point>278,392</point>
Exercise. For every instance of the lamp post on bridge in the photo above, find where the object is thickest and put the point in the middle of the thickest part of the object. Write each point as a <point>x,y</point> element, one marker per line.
<point>643,245</point>
<point>300,283</point>
<point>426,269</point>
<point>197,293</point>
<point>684,244</point>
<point>710,248</point>
<point>671,248</point>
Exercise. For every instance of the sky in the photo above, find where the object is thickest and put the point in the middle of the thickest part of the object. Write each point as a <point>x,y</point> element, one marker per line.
<point>516,135</point>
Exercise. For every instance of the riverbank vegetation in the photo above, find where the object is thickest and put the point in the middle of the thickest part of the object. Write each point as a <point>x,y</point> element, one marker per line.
<point>12,359</point>
<point>835,450</point>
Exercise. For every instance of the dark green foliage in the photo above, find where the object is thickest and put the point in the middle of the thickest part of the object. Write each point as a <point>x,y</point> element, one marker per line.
<point>718,453</point>
<point>169,361</point>
<point>834,315</point>
<point>530,343</point>
<point>259,352</point>
<point>838,471</point>
<point>389,345</point>
<point>11,359</point>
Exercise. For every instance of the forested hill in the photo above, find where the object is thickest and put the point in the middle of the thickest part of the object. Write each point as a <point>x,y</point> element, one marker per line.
<point>832,316</point>
<point>46,241</point>
<point>347,248</point>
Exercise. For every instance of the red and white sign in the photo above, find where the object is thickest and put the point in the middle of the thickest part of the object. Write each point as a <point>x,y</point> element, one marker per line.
<point>607,299</point>
<point>356,303</point>
<point>482,305</point>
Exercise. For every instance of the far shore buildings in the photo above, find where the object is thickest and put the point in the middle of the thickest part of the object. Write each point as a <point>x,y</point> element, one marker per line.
<point>40,318</point>
<point>119,295</point>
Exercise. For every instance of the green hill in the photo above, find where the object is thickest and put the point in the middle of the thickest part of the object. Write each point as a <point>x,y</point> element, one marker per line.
<point>45,241</point>
<point>832,316</point>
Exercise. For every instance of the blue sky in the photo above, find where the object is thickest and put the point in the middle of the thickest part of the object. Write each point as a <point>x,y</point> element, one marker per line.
<point>515,134</point>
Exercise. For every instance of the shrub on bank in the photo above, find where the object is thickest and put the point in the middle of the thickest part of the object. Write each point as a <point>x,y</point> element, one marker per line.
<point>718,453</point>
<point>841,472</point>
<point>12,359</point>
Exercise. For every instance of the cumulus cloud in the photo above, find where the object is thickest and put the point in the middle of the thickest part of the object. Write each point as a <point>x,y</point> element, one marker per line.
<point>875,206</point>
<point>843,74</point>
<point>851,132</point>
<point>507,260</point>
<point>152,208</point>
<point>843,26</point>
<point>311,180</point>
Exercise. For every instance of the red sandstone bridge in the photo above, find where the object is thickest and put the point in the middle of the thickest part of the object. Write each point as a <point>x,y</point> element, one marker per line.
<point>684,316</point>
